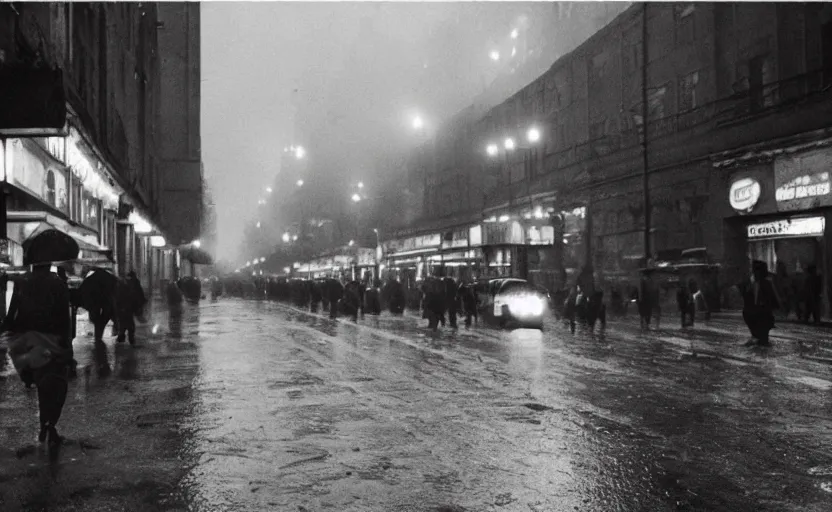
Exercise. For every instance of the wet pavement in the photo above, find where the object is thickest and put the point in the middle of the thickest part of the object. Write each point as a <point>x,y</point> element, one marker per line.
<point>252,405</point>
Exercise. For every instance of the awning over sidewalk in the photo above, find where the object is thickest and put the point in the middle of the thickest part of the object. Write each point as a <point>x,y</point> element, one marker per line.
<point>26,224</point>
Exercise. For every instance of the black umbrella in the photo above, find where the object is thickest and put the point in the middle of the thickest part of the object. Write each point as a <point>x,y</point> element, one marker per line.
<point>97,288</point>
<point>196,256</point>
<point>48,246</point>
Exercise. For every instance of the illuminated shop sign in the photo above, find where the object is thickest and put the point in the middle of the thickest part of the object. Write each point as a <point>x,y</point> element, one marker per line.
<point>803,187</point>
<point>744,194</point>
<point>805,226</point>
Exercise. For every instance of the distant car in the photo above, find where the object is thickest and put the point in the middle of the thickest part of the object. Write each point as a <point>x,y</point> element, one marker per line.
<point>511,302</point>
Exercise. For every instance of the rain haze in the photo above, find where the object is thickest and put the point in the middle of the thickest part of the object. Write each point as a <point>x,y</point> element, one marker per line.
<point>344,80</point>
<point>415,256</point>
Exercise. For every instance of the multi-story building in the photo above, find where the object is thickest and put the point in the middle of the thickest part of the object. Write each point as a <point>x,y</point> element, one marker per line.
<point>737,117</point>
<point>88,164</point>
<point>180,151</point>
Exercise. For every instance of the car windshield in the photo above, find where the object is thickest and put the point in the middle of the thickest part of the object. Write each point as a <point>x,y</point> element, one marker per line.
<point>515,287</point>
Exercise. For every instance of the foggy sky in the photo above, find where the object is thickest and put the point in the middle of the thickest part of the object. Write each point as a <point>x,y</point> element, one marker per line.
<point>353,84</point>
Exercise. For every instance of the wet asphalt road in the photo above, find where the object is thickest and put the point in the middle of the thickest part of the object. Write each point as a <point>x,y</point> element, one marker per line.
<point>252,405</point>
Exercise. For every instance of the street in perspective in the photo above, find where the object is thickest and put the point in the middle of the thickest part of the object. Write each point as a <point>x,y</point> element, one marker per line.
<point>407,256</point>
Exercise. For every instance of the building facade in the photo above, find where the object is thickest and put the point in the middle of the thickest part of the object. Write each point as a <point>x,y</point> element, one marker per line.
<point>737,109</point>
<point>95,171</point>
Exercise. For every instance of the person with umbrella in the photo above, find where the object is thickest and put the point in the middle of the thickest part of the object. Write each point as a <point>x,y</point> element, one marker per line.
<point>97,296</point>
<point>39,320</point>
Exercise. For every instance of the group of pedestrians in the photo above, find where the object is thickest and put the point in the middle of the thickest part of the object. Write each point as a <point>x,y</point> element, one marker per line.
<point>38,330</point>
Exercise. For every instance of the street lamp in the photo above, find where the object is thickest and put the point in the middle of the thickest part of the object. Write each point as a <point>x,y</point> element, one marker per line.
<point>352,242</point>
<point>258,225</point>
<point>196,243</point>
<point>509,144</point>
<point>514,34</point>
<point>300,152</point>
<point>495,55</point>
<point>262,259</point>
<point>492,150</point>
<point>294,238</point>
<point>418,123</point>
<point>286,237</point>
<point>360,184</point>
<point>269,190</point>
<point>356,198</point>
<point>299,183</point>
<point>533,135</point>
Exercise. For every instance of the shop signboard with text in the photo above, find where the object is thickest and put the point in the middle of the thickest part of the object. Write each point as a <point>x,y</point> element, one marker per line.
<point>793,227</point>
<point>802,181</point>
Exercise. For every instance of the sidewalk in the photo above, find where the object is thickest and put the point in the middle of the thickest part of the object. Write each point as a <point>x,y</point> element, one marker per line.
<point>737,314</point>
<point>725,334</point>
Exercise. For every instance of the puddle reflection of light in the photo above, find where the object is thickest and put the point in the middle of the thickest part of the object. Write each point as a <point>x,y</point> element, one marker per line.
<point>526,355</point>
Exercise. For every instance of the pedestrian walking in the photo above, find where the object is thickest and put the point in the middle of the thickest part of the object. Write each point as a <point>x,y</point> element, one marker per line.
<point>813,293</point>
<point>687,307</point>
<point>760,300</point>
<point>648,300</point>
<point>38,324</point>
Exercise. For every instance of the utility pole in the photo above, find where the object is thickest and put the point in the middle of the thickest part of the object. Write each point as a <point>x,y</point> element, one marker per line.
<point>644,113</point>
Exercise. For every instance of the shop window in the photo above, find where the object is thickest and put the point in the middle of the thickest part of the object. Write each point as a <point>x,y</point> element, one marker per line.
<point>685,23</point>
<point>656,102</point>
<point>50,188</point>
<point>688,85</point>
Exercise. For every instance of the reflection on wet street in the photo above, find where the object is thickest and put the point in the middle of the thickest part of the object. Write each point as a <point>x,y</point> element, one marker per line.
<point>251,405</point>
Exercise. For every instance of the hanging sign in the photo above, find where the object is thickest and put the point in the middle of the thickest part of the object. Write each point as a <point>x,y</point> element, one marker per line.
<point>805,226</point>
<point>744,194</point>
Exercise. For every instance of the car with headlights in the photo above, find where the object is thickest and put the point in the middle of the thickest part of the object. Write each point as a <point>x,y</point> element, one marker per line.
<point>511,302</point>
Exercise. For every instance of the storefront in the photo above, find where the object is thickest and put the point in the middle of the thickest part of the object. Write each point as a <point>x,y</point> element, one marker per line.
<point>782,210</point>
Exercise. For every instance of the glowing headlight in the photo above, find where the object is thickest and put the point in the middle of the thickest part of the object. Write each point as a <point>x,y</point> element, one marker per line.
<point>526,305</point>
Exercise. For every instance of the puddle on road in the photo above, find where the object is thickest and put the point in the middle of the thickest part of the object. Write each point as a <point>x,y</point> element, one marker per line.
<point>823,385</point>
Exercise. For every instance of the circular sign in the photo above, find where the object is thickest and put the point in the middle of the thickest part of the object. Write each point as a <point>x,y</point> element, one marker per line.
<point>744,194</point>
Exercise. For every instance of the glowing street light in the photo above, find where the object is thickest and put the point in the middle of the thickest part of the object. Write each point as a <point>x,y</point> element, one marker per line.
<point>514,34</point>
<point>492,150</point>
<point>300,152</point>
<point>495,55</point>
<point>533,135</point>
<point>269,190</point>
<point>258,223</point>
<point>352,242</point>
<point>294,238</point>
<point>509,144</point>
<point>262,259</point>
<point>299,183</point>
<point>360,184</point>
<point>286,237</point>
<point>196,243</point>
<point>418,123</point>
<point>356,198</point>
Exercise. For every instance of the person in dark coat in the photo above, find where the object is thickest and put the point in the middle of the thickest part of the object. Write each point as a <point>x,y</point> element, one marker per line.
<point>451,300</point>
<point>433,303</point>
<point>39,309</point>
<point>332,291</point>
<point>684,300</point>
<point>467,294</point>
<point>96,296</point>
<point>760,300</point>
<point>315,295</point>
<point>351,301</point>
<point>129,303</point>
<point>648,300</point>
<point>813,292</point>
<point>396,297</point>
<point>372,298</point>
